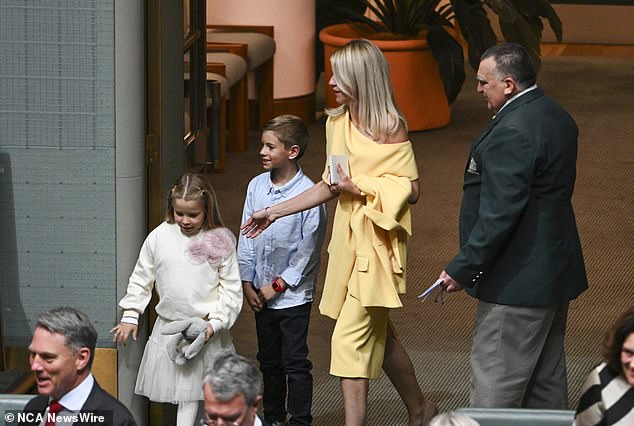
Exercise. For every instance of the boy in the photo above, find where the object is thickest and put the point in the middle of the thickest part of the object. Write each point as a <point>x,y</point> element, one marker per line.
<point>278,272</point>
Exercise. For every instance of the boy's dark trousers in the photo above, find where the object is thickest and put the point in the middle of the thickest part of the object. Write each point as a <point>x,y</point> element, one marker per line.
<point>283,357</point>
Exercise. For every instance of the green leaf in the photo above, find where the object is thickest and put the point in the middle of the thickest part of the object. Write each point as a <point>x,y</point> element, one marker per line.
<point>448,53</point>
<point>505,9</point>
<point>475,27</point>
<point>522,33</point>
<point>553,19</point>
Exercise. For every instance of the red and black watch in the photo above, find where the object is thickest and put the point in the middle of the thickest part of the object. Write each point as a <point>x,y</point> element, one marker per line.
<point>277,286</point>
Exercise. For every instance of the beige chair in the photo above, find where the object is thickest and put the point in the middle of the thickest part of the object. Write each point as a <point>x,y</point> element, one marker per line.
<point>229,61</point>
<point>260,51</point>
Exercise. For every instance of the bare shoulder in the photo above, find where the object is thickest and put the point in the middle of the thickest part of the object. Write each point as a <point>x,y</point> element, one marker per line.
<point>399,136</point>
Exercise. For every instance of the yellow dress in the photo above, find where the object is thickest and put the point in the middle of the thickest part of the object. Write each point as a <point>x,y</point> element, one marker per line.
<point>368,248</point>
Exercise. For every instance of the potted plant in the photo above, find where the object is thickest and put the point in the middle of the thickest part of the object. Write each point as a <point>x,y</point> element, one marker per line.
<point>433,74</point>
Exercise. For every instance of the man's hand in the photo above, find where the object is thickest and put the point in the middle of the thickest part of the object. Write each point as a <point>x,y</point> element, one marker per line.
<point>122,332</point>
<point>257,223</point>
<point>450,285</point>
<point>253,299</point>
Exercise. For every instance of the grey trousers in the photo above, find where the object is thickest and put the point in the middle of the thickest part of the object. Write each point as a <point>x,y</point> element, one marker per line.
<point>517,357</point>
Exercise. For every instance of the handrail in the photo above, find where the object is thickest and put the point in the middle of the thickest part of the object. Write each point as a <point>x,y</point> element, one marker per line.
<point>262,29</point>
<point>191,39</point>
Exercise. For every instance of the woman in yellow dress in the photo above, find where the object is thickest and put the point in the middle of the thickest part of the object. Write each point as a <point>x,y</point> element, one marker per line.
<point>368,248</point>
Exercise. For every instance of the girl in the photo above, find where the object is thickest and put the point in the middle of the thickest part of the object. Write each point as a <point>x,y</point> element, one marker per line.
<point>191,257</point>
<point>368,247</point>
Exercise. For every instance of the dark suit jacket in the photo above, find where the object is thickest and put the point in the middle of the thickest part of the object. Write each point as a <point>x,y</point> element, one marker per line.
<point>518,235</point>
<point>99,402</point>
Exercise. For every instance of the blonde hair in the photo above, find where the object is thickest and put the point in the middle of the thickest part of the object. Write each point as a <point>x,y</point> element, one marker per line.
<point>192,186</point>
<point>362,73</point>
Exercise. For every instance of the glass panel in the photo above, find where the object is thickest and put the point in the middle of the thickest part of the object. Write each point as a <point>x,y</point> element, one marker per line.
<point>57,163</point>
<point>195,132</point>
<point>187,106</point>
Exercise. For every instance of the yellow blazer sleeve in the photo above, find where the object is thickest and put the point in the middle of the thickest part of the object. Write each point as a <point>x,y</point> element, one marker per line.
<point>386,201</point>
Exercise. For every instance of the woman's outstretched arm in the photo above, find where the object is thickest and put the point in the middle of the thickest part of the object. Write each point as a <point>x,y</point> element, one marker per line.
<point>261,219</point>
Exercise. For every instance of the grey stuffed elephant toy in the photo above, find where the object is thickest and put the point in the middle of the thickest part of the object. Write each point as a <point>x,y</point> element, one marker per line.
<point>187,339</point>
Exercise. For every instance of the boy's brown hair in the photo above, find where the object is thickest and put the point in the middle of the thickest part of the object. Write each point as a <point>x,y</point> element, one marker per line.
<point>290,130</point>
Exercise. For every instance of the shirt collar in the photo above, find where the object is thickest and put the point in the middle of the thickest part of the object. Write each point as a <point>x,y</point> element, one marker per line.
<point>288,186</point>
<point>533,87</point>
<point>74,399</point>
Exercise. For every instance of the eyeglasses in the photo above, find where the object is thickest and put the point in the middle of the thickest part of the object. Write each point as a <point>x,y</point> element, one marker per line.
<point>215,420</point>
<point>219,421</point>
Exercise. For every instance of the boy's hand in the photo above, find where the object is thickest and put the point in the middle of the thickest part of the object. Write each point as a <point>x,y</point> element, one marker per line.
<point>252,296</point>
<point>268,293</point>
<point>122,332</point>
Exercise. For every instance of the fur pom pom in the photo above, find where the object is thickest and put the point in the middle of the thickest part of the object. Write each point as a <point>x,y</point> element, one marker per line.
<point>213,247</point>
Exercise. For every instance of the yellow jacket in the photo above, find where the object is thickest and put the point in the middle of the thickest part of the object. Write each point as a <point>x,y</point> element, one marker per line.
<point>368,247</point>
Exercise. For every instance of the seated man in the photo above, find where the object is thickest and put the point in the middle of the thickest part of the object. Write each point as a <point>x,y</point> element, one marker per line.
<point>62,351</point>
<point>233,389</point>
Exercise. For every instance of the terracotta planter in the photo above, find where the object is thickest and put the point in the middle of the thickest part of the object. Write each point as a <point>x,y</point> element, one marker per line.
<point>417,86</point>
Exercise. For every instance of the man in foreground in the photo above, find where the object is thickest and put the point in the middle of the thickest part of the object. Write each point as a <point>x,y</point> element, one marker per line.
<point>233,390</point>
<point>61,354</point>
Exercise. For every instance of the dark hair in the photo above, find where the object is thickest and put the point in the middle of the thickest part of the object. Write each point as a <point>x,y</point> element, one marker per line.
<point>615,337</point>
<point>512,59</point>
<point>74,325</point>
<point>195,186</point>
<point>290,130</point>
<point>231,374</point>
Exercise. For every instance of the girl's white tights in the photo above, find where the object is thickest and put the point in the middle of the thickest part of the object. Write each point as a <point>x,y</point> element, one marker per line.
<point>186,413</point>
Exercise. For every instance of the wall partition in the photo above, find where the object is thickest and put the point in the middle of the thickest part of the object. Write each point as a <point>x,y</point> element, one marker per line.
<point>57,144</point>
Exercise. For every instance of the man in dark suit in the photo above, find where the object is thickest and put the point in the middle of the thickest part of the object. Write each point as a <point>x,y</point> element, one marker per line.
<point>61,354</point>
<point>520,254</point>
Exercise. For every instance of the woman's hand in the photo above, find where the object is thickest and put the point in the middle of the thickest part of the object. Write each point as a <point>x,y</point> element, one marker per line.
<point>413,198</point>
<point>122,332</point>
<point>345,184</point>
<point>257,223</point>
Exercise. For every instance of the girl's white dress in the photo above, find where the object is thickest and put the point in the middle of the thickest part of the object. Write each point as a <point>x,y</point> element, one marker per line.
<point>195,277</point>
